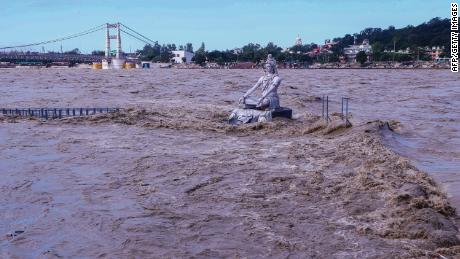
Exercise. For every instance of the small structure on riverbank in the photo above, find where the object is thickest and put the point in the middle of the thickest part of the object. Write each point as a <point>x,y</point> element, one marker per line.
<point>353,50</point>
<point>182,56</point>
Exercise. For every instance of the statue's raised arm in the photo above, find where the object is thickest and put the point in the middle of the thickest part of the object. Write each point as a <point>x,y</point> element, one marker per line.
<point>270,82</point>
<point>251,90</point>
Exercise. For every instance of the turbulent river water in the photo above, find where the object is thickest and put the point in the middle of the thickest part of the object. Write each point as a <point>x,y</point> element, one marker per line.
<point>171,182</point>
<point>423,103</point>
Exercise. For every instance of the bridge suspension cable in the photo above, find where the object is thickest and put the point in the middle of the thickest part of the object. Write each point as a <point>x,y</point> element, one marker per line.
<point>137,38</point>
<point>126,29</point>
<point>140,35</point>
<point>95,29</point>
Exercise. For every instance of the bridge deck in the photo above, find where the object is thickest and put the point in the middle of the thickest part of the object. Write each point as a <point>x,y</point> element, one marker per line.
<point>50,57</point>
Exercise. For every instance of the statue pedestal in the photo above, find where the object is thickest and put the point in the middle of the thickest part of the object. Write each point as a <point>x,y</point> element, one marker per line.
<point>282,112</point>
<point>243,116</point>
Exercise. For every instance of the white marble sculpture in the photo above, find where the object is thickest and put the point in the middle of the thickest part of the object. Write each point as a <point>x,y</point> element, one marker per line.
<point>270,82</point>
<point>261,108</point>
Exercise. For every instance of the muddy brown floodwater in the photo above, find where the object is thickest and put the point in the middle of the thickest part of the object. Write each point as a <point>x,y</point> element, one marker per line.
<point>168,178</point>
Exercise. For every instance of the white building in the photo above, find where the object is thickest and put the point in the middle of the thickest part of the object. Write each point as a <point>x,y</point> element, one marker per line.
<point>237,51</point>
<point>179,56</point>
<point>352,50</point>
<point>298,41</point>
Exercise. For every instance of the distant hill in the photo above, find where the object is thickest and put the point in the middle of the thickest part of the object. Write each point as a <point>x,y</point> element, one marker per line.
<point>436,32</point>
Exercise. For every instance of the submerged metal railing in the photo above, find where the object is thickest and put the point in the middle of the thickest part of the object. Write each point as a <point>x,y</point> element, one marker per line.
<point>325,101</point>
<point>54,113</point>
<point>343,114</point>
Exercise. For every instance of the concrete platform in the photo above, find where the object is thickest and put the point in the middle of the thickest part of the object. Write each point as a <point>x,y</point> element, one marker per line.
<point>283,112</point>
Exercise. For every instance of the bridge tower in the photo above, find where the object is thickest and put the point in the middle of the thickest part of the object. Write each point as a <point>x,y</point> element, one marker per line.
<point>107,42</point>
<point>118,61</point>
<point>118,41</point>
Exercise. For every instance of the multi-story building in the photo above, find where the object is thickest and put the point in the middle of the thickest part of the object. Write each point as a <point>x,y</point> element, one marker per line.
<point>182,56</point>
<point>436,52</point>
<point>353,50</point>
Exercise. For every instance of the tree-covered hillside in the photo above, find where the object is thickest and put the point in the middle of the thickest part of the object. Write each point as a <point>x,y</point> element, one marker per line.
<point>435,32</point>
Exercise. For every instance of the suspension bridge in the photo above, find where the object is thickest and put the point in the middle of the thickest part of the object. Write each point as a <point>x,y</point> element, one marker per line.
<point>17,53</point>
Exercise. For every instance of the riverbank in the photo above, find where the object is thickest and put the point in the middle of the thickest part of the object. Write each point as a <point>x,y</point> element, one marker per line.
<point>384,65</point>
<point>333,65</point>
<point>250,65</point>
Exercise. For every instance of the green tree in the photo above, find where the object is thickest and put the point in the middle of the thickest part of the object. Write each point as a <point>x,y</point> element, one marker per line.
<point>250,52</point>
<point>74,51</point>
<point>98,53</point>
<point>217,56</point>
<point>171,47</point>
<point>432,33</point>
<point>361,57</point>
<point>436,32</point>
<point>199,58</point>
<point>377,50</point>
<point>189,47</point>
<point>202,48</point>
<point>150,52</point>
<point>165,54</point>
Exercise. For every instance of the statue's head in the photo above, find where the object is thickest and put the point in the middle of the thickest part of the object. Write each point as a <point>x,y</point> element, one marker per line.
<point>270,65</point>
<point>269,68</point>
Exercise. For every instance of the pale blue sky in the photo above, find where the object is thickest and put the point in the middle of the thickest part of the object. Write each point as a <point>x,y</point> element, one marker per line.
<point>220,24</point>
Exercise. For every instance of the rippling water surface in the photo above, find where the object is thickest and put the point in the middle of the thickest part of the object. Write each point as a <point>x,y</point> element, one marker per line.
<point>112,189</point>
<point>424,103</point>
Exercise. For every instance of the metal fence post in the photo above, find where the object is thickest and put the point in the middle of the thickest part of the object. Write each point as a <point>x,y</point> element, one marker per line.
<point>341,114</point>
<point>323,100</point>
<point>346,116</point>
